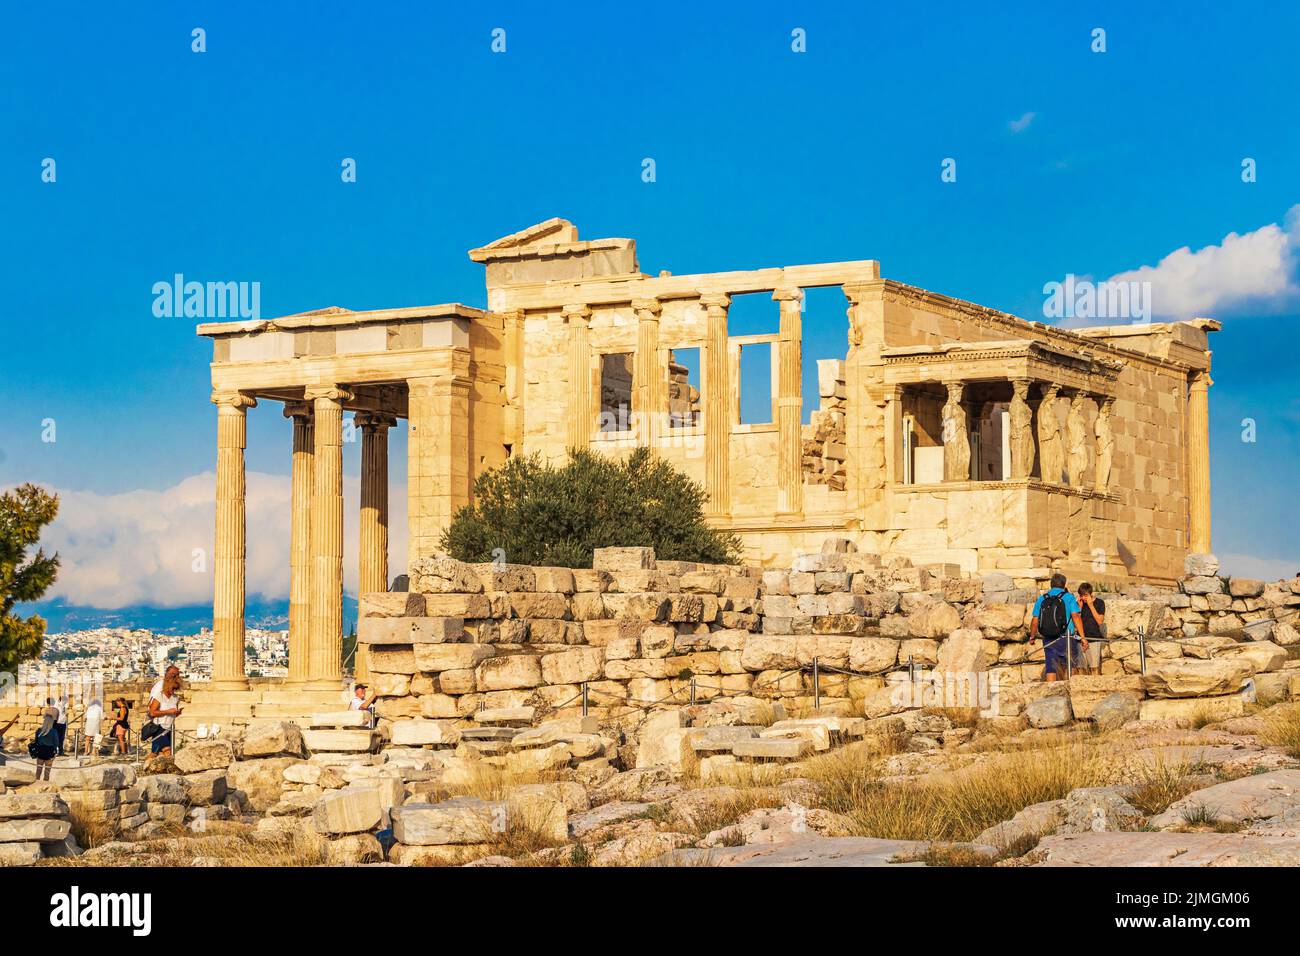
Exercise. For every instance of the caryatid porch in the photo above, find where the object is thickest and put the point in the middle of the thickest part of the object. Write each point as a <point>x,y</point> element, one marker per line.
<point>384,367</point>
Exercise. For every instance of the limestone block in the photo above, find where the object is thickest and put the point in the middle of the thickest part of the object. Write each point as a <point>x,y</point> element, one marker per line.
<point>350,810</point>
<point>965,651</point>
<point>531,605</point>
<point>935,621</point>
<point>1263,655</point>
<point>509,672</point>
<point>354,849</point>
<point>623,559</point>
<point>919,651</point>
<point>658,640</point>
<point>1200,565</point>
<point>103,777</point>
<point>434,658</point>
<point>391,604</point>
<point>663,742</point>
<point>1202,585</point>
<point>870,655</point>
<point>1188,710</point>
<point>1245,587</point>
<point>34,830</point>
<point>14,806</point>
<point>457,605</point>
<point>1188,677</point>
<point>273,739</point>
<point>19,854</point>
<point>200,755</point>
<point>573,667</point>
<point>444,575</point>
<point>769,653</point>
<point>420,732</point>
<point>1049,712</point>
<point>1088,690</point>
<point>459,821</point>
<point>340,741</point>
<point>444,855</point>
<point>1123,617</point>
<point>410,630</point>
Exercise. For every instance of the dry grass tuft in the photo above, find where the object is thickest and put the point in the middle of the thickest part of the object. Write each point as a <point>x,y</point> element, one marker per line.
<point>1282,729</point>
<point>236,848</point>
<point>1160,784</point>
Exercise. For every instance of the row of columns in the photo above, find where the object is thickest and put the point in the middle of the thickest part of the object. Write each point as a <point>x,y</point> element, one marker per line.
<point>1037,428</point>
<point>718,391</point>
<point>316,534</point>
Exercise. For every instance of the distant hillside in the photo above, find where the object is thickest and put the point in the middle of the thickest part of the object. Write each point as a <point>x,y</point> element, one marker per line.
<point>270,615</point>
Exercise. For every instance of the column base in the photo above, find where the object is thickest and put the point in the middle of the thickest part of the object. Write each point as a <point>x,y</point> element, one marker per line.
<point>328,683</point>
<point>229,685</point>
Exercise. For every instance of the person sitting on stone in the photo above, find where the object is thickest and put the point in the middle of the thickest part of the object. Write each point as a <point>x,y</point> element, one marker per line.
<point>1056,620</point>
<point>1093,612</point>
<point>4,730</point>
<point>360,701</point>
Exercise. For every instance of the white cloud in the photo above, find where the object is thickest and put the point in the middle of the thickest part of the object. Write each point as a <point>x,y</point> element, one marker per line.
<point>1255,270</point>
<point>138,547</point>
<point>1262,569</point>
<point>1022,124</point>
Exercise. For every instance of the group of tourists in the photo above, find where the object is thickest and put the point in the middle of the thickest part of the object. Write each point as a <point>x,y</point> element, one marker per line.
<point>1071,627</point>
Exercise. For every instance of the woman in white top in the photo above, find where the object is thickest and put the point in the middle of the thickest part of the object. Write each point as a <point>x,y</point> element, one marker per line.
<point>164,708</point>
<point>94,727</point>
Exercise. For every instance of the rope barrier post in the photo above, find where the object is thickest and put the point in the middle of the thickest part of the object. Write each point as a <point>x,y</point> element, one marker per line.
<point>1142,648</point>
<point>692,691</point>
<point>911,669</point>
<point>584,698</point>
<point>817,686</point>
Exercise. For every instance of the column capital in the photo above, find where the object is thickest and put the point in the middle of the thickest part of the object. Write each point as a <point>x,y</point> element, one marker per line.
<point>301,410</point>
<point>857,292</point>
<point>1201,379</point>
<point>787,294</point>
<point>715,300</point>
<point>651,305</point>
<point>576,311</point>
<point>373,421</point>
<point>1104,402</point>
<point>955,390</point>
<point>233,400</point>
<point>1050,390</point>
<point>335,393</point>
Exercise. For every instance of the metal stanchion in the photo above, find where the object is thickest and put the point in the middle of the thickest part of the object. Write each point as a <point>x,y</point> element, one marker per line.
<point>1142,648</point>
<point>584,698</point>
<point>692,691</point>
<point>911,670</point>
<point>817,686</point>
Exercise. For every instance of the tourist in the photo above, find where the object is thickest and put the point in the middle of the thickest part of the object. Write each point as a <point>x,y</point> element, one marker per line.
<point>45,746</point>
<point>93,726</point>
<point>61,722</point>
<point>1056,620</point>
<point>121,723</point>
<point>360,701</point>
<point>1093,611</point>
<point>164,708</point>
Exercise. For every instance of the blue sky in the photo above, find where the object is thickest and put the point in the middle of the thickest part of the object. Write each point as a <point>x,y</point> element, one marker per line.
<point>225,165</point>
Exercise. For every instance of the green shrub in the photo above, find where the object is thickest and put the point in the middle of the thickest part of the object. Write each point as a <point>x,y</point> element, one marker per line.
<point>529,512</point>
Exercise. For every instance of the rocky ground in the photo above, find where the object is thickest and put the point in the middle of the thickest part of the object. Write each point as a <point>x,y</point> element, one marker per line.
<point>927,788</point>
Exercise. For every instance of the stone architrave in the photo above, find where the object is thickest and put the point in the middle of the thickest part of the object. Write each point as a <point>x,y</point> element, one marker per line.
<point>956,440</point>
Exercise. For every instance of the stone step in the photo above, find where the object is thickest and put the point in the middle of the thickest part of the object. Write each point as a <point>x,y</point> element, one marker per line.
<point>773,748</point>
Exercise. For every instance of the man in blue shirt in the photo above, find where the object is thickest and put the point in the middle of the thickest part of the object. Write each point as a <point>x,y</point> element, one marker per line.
<point>1057,620</point>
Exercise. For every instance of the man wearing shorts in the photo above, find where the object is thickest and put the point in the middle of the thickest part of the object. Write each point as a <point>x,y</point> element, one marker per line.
<point>1057,621</point>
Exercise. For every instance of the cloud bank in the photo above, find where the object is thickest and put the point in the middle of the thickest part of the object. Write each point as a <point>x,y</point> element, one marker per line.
<point>155,547</point>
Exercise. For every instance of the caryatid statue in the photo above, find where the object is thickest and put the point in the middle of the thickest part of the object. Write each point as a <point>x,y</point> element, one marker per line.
<point>1051,455</point>
<point>1076,429</point>
<point>1022,437</point>
<point>956,444</point>
<point>1105,443</point>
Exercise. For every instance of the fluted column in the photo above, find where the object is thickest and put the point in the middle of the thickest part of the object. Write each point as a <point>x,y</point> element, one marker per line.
<point>373,556</point>
<point>1198,459</point>
<point>229,547</point>
<point>325,641</point>
<point>304,452</point>
<point>648,404</point>
<point>1020,420</point>
<point>1105,442</point>
<point>1076,431</point>
<point>789,401</point>
<point>581,416</point>
<point>956,440</point>
<point>718,390</point>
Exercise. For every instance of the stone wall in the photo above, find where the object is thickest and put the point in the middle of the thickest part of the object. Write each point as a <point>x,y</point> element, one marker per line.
<point>824,437</point>
<point>636,633</point>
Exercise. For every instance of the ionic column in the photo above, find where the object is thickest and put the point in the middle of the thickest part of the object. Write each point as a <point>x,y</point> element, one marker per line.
<point>1050,454</point>
<point>373,557</point>
<point>1020,421</point>
<point>304,452</point>
<point>956,440</point>
<point>648,404</point>
<point>1105,442</point>
<point>1076,430</point>
<point>1198,459</point>
<point>717,406</point>
<point>789,402</point>
<point>581,416</point>
<point>229,546</point>
<point>325,640</point>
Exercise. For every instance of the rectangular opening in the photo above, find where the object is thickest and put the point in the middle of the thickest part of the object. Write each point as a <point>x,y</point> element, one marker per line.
<point>616,392</point>
<point>753,313</point>
<point>683,388</point>
<point>756,383</point>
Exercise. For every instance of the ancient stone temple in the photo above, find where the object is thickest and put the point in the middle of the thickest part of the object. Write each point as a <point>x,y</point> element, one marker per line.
<point>945,431</point>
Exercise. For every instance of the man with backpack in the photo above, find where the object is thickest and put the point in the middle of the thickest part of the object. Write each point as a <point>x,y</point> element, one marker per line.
<point>1057,620</point>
